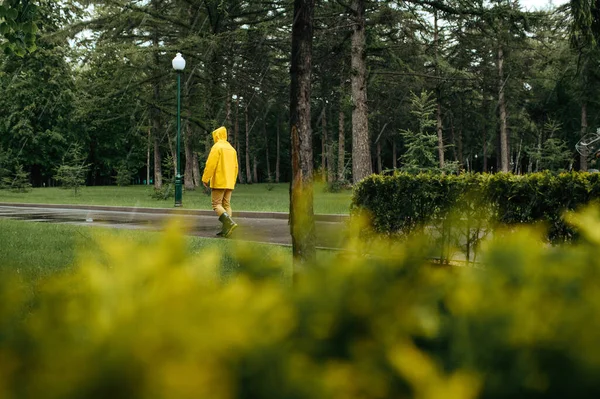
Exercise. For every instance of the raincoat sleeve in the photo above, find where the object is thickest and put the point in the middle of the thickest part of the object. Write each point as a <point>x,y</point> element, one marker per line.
<point>211,165</point>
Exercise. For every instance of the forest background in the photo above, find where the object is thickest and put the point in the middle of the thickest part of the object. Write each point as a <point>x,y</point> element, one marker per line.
<point>460,85</point>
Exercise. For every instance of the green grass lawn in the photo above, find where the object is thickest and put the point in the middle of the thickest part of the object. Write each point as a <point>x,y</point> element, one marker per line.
<point>38,250</point>
<point>254,197</point>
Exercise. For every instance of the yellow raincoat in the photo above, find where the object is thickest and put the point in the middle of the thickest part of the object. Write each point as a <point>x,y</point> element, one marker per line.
<point>222,165</point>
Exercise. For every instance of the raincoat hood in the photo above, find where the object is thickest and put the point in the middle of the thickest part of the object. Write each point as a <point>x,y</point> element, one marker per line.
<point>220,134</point>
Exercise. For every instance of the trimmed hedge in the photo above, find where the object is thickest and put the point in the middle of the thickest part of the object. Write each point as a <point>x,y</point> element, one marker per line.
<point>404,203</point>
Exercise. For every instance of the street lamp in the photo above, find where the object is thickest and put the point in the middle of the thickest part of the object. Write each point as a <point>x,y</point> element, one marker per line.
<point>178,65</point>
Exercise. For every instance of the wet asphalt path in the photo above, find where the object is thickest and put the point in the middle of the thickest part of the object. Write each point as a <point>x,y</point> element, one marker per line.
<point>268,227</point>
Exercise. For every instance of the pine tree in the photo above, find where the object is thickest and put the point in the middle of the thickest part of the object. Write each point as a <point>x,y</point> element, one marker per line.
<point>421,145</point>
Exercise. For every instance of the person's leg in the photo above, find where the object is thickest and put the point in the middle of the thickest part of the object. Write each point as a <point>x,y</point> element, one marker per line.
<point>228,224</point>
<point>220,200</point>
<point>217,201</point>
<point>227,202</point>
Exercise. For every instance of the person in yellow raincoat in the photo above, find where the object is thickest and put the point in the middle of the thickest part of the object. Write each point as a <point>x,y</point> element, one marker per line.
<point>221,171</point>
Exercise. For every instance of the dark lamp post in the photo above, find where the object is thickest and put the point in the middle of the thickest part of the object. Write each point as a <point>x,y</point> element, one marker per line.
<point>178,65</point>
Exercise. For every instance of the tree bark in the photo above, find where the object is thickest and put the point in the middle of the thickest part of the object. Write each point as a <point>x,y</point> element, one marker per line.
<point>173,152</point>
<point>379,163</point>
<point>158,181</point>
<point>341,145</point>
<point>330,157</point>
<point>302,225</point>
<point>323,145</point>
<point>484,134</point>
<point>155,115</point>
<point>277,161</point>
<point>187,129</point>
<point>361,151</point>
<point>454,141</point>
<point>254,169</point>
<point>248,170</point>
<point>148,157</point>
<point>440,135</point>
<point>188,178</point>
<point>504,152</point>
<point>438,94</point>
<point>228,108</point>
<point>196,170</point>
<point>236,141</point>
<point>461,156</point>
<point>583,166</point>
<point>394,154</point>
<point>269,177</point>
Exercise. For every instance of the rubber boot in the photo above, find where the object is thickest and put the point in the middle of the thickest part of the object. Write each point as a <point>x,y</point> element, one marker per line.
<point>228,225</point>
<point>223,228</point>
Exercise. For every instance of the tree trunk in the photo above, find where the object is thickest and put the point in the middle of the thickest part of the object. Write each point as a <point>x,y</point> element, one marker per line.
<point>438,94</point>
<point>484,133</point>
<point>155,115</point>
<point>236,141</point>
<point>196,170</point>
<point>485,159</point>
<point>361,152</point>
<point>454,142</point>
<point>188,178</point>
<point>158,181</point>
<point>173,152</point>
<point>504,152</point>
<point>394,154</point>
<point>518,159</point>
<point>330,158</point>
<point>278,152</point>
<point>583,166</point>
<point>248,170</point>
<point>440,133</point>
<point>341,145</point>
<point>461,156</point>
<point>323,145</point>
<point>539,151</point>
<point>148,157</point>
<point>302,225</point>
<point>269,177</point>
<point>254,169</point>
<point>379,163</point>
<point>228,108</point>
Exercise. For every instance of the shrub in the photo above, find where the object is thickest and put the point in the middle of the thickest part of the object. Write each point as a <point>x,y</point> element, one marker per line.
<point>137,322</point>
<point>5,158</point>
<point>72,172</point>
<point>19,182</point>
<point>337,186</point>
<point>166,192</point>
<point>469,205</point>
<point>124,175</point>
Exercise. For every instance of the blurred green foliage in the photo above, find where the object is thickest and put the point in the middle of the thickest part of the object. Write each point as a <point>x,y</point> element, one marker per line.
<point>134,321</point>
